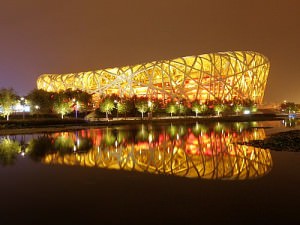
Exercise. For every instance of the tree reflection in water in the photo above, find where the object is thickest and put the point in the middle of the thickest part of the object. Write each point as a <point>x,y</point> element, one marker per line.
<point>59,143</point>
<point>190,151</point>
<point>39,147</point>
<point>9,149</point>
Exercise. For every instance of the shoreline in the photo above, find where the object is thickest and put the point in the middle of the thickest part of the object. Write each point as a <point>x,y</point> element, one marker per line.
<point>15,127</point>
<point>280,141</point>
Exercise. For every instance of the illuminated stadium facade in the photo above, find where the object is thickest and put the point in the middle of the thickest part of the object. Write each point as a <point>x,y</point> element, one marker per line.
<point>224,75</point>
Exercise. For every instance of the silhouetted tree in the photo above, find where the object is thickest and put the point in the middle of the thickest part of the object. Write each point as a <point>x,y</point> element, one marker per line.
<point>40,100</point>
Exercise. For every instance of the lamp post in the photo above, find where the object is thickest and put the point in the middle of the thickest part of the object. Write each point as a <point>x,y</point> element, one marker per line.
<point>76,107</point>
<point>150,108</point>
<point>22,102</point>
<point>37,108</point>
<point>116,106</point>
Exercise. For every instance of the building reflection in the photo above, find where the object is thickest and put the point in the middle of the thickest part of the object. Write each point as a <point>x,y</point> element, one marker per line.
<point>196,151</point>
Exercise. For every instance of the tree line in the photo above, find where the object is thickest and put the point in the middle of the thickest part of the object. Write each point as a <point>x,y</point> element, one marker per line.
<point>65,102</point>
<point>43,102</point>
<point>116,106</point>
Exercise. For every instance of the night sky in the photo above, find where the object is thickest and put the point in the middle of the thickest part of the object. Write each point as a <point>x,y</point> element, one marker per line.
<point>62,36</point>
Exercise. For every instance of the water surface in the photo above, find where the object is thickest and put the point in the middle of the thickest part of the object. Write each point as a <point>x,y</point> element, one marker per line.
<point>158,174</point>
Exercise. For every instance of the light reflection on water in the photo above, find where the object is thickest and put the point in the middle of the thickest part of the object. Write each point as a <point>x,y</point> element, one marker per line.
<point>190,151</point>
<point>195,150</point>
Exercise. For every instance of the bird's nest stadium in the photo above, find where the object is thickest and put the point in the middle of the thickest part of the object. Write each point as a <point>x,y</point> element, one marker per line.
<point>223,75</point>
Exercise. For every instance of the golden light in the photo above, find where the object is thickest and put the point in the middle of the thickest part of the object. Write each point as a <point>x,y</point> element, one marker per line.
<point>212,156</point>
<point>222,75</point>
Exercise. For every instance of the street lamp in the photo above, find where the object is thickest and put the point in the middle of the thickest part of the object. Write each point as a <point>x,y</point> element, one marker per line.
<point>22,102</point>
<point>150,107</point>
<point>37,108</point>
<point>179,104</point>
<point>76,107</point>
<point>116,106</point>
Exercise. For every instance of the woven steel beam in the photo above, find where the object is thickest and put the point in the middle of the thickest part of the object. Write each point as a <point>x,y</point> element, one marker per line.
<point>222,75</point>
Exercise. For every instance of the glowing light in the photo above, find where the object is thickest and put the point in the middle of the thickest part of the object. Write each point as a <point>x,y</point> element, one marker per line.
<point>215,155</point>
<point>206,77</point>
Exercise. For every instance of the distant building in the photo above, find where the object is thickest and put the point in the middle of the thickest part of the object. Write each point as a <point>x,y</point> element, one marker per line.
<point>222,75</point>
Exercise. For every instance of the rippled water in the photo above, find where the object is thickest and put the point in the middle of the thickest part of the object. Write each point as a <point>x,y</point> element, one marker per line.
<point>109,158</point>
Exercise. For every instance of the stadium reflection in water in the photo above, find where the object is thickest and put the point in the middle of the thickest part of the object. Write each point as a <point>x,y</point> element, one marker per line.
<point>194,151</point>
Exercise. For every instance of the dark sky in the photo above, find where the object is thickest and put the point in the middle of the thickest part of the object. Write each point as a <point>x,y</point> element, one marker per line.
<point>61,36</point>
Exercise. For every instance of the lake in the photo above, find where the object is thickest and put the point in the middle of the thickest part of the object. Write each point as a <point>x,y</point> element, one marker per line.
<point>179,173</point>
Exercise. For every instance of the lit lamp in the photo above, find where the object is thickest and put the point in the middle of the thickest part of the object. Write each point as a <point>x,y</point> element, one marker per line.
<point>76,107</point>
<point>36,109</point>
<point>150,107</point>
<point>22,102</point>
<point>116,106</point>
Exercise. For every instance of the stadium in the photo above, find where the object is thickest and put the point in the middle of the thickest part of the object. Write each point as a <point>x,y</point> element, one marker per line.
<point>223,75</point>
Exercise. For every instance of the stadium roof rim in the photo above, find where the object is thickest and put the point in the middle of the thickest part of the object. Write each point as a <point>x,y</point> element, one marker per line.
<point>163,60</point>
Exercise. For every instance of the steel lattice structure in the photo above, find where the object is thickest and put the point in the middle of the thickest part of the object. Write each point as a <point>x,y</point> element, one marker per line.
<point>223,75</point>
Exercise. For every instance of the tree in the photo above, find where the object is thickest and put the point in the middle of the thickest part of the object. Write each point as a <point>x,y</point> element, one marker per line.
<point>61,103</point>
<point>182,109</point>
<point>196,107</point>
<point>219,107</point>
<point>40,100</point>
<point>82,98</point>
<point>8,98</point>
<point>203,108</point>
<point>62,108</point>
<point>156,105</point>
<point>237,108</point>
<point>288,107</point>
<point>141,104</point>
<point>248,103</point>
<point>171,108</point>
<point>107,106</point>
<point>123,107</point>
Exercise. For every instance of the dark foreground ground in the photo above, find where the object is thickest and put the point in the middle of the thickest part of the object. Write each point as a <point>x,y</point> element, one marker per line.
<point>281,141</point>
<point>44,194</point>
